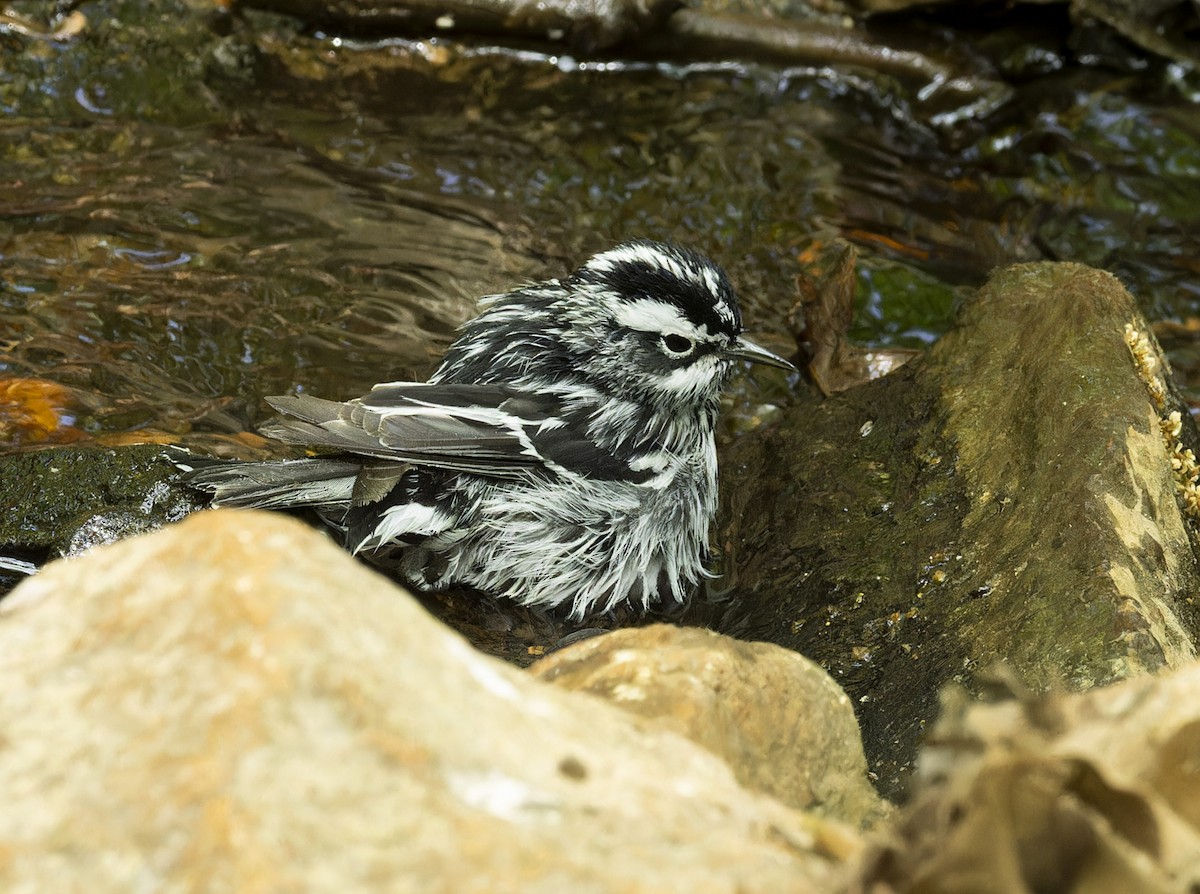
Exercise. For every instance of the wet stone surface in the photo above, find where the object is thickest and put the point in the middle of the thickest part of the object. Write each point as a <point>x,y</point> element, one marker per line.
<point>67,500</point>
<point>1007,499</point>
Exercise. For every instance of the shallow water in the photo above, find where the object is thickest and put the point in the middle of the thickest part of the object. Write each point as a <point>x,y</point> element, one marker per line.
<point>189,223</point>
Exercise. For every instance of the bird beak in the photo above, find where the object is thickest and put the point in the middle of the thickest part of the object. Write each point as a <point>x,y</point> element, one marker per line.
<point>748,350</point>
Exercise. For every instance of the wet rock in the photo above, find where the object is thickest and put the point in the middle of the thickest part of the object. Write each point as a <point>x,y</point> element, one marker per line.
<point>1009,497</point>
<point>64,500</point>
<point>946,92</point>
<point>585,26</point>
<point>233,702</point>
<point>1166,28</point>
<point>777,719</point>
<point>1097,792</point>
<point>787,33</point>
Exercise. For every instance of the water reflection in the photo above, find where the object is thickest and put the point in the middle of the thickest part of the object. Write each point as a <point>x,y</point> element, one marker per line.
<point>170,258</point>
<point>194,277</point>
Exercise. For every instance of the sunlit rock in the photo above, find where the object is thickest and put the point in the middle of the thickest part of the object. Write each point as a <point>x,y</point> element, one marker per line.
<point>777,719</point>
<point>234,704</point>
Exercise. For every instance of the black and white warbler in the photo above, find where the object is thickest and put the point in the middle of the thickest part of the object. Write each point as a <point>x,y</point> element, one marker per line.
<point>562,453</point>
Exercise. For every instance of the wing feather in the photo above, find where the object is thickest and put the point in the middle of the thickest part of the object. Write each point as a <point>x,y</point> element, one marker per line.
<point>491,430</point>
<point>470,432</point>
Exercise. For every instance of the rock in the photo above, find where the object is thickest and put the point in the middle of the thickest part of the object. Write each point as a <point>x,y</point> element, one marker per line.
<point>951,91</point>
<point>1095,793</point>
<point>585,27</point>
<point>1163,27</point>
<point>66,499</point>
<point>790,33</point>
<point>777,719</point>
<point>1009,497</point>
<point>233,703</point>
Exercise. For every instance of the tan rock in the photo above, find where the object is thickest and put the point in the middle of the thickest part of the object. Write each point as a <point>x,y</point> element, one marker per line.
<point>233,704</point>
<point>1087,794</point>
<point>777,719</point>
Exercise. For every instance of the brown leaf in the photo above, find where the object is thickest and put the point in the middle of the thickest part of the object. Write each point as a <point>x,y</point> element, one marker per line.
<point>822,316</point>
<point>34,411</point>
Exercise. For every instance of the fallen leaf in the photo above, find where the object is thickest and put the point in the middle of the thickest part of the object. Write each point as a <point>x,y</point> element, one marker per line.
<point>34,411</point>
<point>822,316</point>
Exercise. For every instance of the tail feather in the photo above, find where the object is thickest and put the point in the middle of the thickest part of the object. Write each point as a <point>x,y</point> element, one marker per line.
<point>303,406</point>
<point>314,422</point>
<point>320,483</point>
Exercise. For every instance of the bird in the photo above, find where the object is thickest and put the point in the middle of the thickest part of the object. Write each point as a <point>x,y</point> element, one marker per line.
<point>562,454</point>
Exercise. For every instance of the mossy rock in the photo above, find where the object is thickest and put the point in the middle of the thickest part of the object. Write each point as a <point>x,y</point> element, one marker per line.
<point>1008,498</point>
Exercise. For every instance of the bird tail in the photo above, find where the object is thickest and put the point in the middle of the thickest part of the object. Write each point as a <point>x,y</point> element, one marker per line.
<point>321,483</point>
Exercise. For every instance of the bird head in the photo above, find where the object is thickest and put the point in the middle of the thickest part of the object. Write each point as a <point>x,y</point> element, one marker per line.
<point>657,320</point>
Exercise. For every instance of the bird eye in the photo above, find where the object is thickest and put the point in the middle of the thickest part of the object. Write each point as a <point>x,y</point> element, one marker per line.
<point>677,345</point>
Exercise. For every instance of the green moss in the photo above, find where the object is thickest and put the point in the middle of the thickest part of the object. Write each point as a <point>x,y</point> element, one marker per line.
<point>53,492</point>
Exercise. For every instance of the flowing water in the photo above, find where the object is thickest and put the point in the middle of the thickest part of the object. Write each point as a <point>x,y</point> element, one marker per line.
<point>189,222</point>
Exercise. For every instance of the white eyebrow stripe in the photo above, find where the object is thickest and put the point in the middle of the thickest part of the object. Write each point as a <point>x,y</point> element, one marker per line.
<point>644,254</point>
<point>704,277</point>
<point>652,315</point>
<point>724,311</point>
<point>652,257</point>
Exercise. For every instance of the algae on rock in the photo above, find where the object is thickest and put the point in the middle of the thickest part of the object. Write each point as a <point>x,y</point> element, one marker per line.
<point>1007,498</point>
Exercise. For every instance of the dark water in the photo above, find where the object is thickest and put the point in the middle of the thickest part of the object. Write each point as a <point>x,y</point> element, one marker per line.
<point>188,223</point>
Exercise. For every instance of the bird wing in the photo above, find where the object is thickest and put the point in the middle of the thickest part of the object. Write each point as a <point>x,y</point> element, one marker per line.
<point>490,430</point>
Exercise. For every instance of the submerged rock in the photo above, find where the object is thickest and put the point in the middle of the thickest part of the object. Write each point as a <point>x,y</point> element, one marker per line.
<point>585,26</point>
<point>234,703</point>
<point>1008,498</point>
<point>783,726</point>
